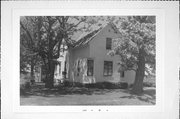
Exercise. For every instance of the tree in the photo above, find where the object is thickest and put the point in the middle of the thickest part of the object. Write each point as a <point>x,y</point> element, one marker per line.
<point>136,47</point>
<point>44,35</point>
<point>28,59</point>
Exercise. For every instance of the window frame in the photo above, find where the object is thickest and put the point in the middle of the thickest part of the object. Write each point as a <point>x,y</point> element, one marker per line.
<point>122,74</point>
<point>78,67</point>
<point>90,68</point>
<point>108,68</point>
<point>108,46</point>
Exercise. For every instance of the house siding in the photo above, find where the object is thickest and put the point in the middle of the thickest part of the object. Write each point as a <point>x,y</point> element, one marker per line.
<point>96,50</point>
<point>99,53</point>
<point>77,54</point>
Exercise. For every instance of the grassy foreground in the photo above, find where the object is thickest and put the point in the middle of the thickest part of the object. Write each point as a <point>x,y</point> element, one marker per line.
<point>86,96</point>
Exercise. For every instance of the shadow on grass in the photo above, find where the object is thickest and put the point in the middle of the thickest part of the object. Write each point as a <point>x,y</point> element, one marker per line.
<point>78,89</point>
<point>59,92</point>
<point>148,95</point>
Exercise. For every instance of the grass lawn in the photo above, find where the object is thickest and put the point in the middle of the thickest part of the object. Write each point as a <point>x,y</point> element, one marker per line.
<point>87,96</point>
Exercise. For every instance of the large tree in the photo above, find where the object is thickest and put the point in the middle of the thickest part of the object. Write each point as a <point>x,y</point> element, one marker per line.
<point>136,47</point>
<point>44,35</point>
<point>28,58</point>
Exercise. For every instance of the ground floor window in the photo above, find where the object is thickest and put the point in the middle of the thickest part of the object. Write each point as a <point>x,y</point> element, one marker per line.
<point>90,64</point>
<point>78,68</point>
<point>108,68</point>
<point>122,74</point>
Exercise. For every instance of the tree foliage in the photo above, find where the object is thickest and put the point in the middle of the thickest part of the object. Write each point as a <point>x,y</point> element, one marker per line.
<point>136,46</point>
<point>136,34</point>
<point>28,58</point>
<point>42,36</point>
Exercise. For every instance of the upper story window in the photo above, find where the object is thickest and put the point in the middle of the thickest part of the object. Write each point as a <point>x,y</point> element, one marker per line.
<point>108,43</point>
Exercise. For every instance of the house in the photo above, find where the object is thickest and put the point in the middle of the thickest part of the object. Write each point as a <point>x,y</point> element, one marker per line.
<point>61,63</point>
<point>88,60</point>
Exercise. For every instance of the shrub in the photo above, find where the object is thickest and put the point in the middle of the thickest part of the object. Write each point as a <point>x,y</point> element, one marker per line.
<point>24,88</point>
<point>99,85</point>
<point>93,85</point>
<point>124,85</point>
<point>78,84</point>
<point>68,83</point>
<point>107,85</point>
<point>148,84</point>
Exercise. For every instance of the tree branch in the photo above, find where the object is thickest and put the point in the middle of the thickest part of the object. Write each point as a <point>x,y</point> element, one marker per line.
<point>75,25</point>
<point>60,24</point>
<point>66,18</point>
<point>29,35</point>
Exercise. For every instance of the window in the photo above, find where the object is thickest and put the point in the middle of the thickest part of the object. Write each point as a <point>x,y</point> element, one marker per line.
<point>78,68</point>
<point>108,68</point>
<point>108,43</point>
<point>90,64</point>
<point>122,74</point>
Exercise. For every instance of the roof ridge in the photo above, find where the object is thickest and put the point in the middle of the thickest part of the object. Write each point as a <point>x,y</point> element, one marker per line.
<point>85,39</point>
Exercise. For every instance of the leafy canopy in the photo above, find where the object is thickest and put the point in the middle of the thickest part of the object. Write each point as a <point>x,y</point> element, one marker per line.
<point>137,32</point>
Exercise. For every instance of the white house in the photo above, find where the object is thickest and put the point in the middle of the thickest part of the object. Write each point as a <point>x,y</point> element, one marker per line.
<point>88,60</point>
<point>62,63</point>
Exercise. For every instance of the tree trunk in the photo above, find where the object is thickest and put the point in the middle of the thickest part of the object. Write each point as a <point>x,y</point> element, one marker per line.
<point>49,83</point>
<point>50,73</point>
<point>140,72</point>
<point>32,69</point>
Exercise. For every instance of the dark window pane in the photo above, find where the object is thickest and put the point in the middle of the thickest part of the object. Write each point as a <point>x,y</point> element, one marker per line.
<point>108,68</point>
<point>90,64</point>
<point>108,43</point>
<point>78,68</point>
<point>122,74</point>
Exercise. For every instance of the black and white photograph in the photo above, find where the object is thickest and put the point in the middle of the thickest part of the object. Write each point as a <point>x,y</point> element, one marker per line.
<point>87,60</point>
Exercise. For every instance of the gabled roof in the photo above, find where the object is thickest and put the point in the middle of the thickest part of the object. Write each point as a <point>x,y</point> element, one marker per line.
<point>88,37</point>
<point>85,39</point>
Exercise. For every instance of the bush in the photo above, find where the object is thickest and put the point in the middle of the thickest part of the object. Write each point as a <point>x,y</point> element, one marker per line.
<point>149,84</point>
<point>68,83</point>
<point>78,84</point>
<point>27,85</point>
<point>24,88</point>
<point>124,85</point>
<point>107,85</point>
<point>99,85</point>
<point>93,85</point>
<point>131,85</point>
<point>32,81</point>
